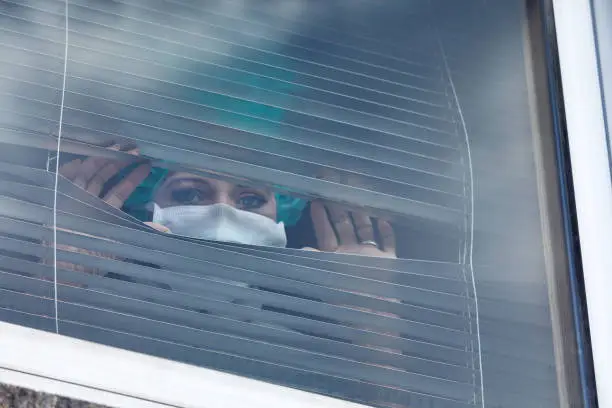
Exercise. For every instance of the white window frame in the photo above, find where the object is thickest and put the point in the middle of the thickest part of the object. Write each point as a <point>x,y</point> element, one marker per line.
<point>584,114</point>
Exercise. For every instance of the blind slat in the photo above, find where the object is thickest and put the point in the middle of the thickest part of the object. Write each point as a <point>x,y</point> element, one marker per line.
<point>233,25</point>
<point>215,304</point>
<point>195,284</point>
<point>233,318</point>
<point>396,274</point>
<point>317,187</point>
<point>157,125</point>
<point>194,329</point>
<point>141,20</point>
<point>309,381</point>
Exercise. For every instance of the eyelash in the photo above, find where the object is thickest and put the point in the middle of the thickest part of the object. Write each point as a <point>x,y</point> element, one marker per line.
<point>192,196</point>
<point>260,201</point>
<point>178,195</point>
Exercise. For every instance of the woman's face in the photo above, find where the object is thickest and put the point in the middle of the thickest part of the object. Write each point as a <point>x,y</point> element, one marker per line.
<point>190,189</point>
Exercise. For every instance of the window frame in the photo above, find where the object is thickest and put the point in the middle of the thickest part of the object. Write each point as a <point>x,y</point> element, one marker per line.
<point>591,178</point>
<point>38,359</point>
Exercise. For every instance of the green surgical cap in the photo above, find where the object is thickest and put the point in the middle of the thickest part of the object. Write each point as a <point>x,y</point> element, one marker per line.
<point>288,209</point>
<point>136,204</point>
<point>270,84</point>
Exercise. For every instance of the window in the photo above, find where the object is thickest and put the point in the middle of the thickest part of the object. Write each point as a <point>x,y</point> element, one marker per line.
<point>349,198</point>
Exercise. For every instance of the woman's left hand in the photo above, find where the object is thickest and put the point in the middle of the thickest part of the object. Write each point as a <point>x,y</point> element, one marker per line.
<point>341,231</point>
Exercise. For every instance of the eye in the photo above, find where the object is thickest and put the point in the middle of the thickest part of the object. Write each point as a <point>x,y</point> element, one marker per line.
<point>187,196</point>
<point>251,201</point>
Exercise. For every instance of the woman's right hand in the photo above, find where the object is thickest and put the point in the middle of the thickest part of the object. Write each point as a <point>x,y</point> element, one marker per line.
<point>92,174</point>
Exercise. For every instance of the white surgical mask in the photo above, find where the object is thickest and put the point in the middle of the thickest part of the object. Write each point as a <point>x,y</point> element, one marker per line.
<point>221,222</point>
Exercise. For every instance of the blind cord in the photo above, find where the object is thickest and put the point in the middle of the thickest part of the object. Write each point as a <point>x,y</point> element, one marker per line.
<point>470,232</point>
<point>57,157</point>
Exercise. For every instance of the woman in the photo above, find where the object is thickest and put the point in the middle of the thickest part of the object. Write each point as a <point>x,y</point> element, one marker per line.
<point>208,208</point>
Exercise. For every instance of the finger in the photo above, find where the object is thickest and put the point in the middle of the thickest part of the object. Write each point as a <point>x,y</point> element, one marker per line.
<point>342,223</point>
<point>118,194</point>
<point>70,169</point>
<point>386,236</point>
<point>99,179</point>
<point>326,237</point>
<point>363,227</point>
<point>88,168</point>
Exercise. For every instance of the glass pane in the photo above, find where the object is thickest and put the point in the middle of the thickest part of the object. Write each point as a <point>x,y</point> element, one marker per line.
<point>343,197</point>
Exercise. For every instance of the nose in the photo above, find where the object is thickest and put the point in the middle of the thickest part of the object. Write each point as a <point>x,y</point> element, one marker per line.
<point>224,198</point>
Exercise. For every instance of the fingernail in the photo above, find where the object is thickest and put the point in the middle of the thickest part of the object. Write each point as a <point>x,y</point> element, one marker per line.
<point>114,201</point>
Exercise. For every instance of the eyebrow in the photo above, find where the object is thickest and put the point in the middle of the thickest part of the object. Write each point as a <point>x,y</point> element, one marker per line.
<point>171,181</point>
